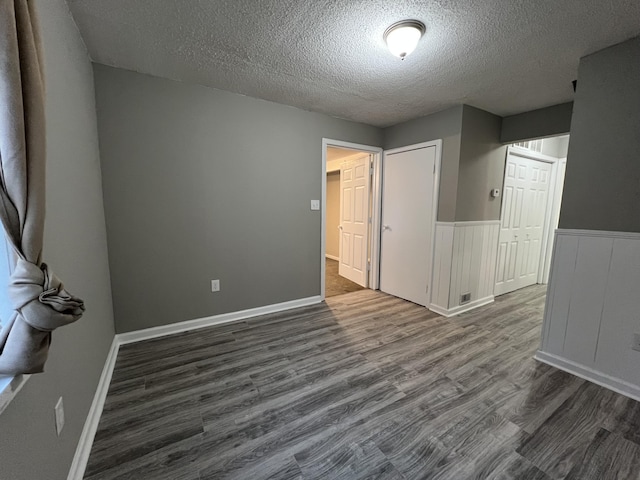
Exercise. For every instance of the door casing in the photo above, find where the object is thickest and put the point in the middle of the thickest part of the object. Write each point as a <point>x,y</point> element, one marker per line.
<point>376,152</point>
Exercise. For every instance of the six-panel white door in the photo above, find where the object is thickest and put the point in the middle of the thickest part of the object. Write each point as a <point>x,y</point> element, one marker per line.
<point>524,207</point>
<point>407,222</point>
<point>354,219</point>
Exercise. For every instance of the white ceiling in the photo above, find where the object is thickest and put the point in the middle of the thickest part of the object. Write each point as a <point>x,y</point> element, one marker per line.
<point>504,56</point>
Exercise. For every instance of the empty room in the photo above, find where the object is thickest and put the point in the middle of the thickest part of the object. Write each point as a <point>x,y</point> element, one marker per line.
<point>319,239</point>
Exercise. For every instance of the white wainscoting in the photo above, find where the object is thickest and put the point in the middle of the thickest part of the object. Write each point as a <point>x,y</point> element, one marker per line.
<point>593,308</point>
<point>464,262</point>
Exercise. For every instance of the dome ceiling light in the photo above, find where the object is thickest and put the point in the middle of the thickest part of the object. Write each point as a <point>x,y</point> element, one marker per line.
<point>403,37</point>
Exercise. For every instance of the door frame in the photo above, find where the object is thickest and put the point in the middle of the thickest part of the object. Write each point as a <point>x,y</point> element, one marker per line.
<point>546,233</point>
<point>434,213</point>
<point>558,187</point>
<point>376,190</point>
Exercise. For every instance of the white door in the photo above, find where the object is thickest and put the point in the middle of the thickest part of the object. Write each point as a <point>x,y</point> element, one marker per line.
<point>354,219</point>
<point>407,223</point>
<point>524,207</point>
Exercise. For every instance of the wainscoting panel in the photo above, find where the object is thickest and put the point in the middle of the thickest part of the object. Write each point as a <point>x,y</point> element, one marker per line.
<point>465,263</point>
<point>593,306</point>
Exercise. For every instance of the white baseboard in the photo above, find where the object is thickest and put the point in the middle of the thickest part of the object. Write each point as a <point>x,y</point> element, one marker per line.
<point>607,381</point>
<point>149,333</point>
<point>481,302</point>
<point>332,257</point>
<point>79,464</point>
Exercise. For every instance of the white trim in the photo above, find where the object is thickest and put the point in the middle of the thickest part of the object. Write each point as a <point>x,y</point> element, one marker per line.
<point>471,223</point>
<point>598,233</point>
<point>556,204</point>
<point>332,257</point>
<point>83,449</point>
<point>179,327</point>
<point>436,196</point>
<point>9,388</point>
<point>372,280</point>
<point>607,381</point>
<point>376,219</point>
<point>481,302</point>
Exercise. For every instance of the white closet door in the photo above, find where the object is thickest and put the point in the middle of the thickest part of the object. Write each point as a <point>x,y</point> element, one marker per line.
<point>407,223</point>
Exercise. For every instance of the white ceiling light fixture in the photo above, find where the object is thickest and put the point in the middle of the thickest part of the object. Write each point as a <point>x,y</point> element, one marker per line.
<point>403,37</point>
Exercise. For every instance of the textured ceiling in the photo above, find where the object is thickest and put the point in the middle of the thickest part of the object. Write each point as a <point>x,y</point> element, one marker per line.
<point>504,56</point>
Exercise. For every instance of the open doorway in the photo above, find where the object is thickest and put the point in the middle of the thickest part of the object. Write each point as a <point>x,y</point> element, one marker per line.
<point>531,203</point>
<point>350,216</point>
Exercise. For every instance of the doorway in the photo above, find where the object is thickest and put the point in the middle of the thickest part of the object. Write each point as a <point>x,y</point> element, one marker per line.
<point>350,173</point>
<point>532,194</point>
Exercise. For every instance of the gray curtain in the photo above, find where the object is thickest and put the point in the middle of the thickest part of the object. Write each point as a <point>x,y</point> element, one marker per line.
<point>40,301</point>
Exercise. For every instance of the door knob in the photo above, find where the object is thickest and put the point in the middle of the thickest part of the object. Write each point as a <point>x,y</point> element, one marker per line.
<point>340,227</point>
<point>386,227</point>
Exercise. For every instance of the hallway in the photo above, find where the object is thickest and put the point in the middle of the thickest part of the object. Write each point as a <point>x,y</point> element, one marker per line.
<point>335,284</point>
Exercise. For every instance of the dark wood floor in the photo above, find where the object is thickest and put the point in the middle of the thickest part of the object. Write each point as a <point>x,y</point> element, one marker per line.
<point>335,284</point>
<point>366,386</point>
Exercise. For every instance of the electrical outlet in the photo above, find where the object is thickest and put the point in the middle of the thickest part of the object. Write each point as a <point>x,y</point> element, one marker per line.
<point>315,204</point>
<point>215,285</point>
<point>59,416</point>
<point>465,298</point>
<point>636,342</point>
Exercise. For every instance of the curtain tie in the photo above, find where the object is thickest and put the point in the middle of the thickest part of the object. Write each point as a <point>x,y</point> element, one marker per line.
<point>40,298</point>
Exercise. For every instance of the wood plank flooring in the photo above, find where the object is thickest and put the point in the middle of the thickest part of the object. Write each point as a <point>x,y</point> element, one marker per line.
<point>334,283</point>
<point>366,386</point>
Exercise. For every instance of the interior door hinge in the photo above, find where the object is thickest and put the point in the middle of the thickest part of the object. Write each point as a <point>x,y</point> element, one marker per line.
<point>427,290</point>
<point>371,171</point>
<point>368,266</point>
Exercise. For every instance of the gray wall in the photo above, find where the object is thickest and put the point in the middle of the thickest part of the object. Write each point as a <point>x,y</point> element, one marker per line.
<point>201,184</point>
<point>75,247</point>
<point>445,125</point>
<point>482,159</point>
<point>545,122</point>
<point>602,184</point>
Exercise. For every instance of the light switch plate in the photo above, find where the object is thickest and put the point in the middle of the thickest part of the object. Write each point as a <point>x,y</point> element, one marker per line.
<point>315,204</point>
